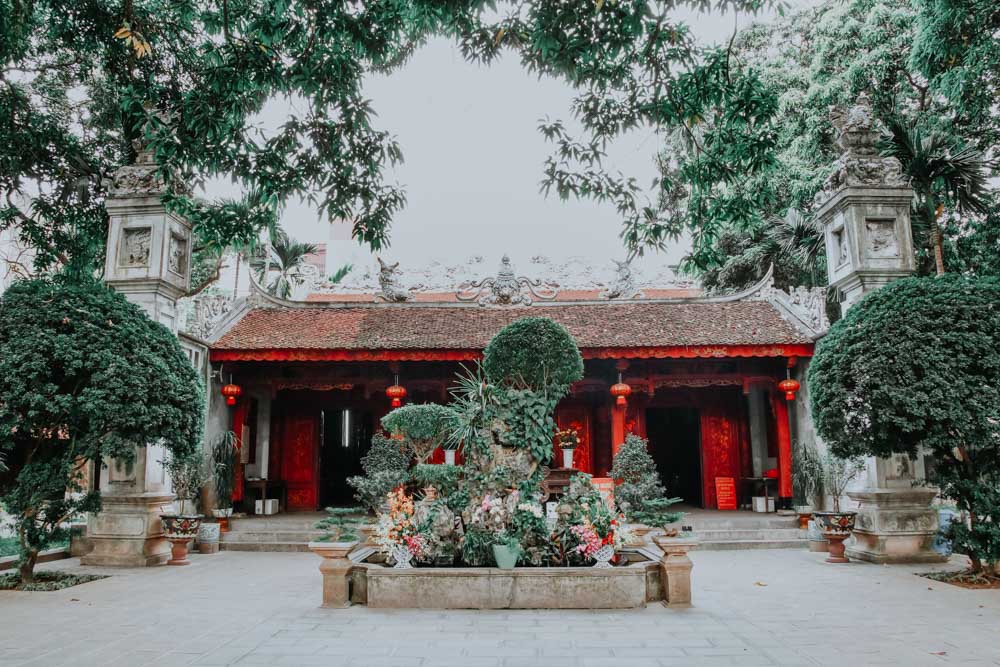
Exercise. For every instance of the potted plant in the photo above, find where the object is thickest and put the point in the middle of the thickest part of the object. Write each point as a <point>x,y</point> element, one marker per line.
<point>225,456</point>
<point>655,513</point>
<point>506,552</point>
<point>188,474</point>
<point>837,525</point>
<point>808,478</point>
<point>568,440</point>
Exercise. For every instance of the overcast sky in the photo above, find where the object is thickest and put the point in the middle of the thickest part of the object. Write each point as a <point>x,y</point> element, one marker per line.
<point>474,156</point>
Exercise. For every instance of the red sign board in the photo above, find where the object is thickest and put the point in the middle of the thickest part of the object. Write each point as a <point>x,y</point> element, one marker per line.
<point>725,493</point>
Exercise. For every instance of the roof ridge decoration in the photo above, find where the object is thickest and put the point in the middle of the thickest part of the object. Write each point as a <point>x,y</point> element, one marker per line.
<point>802,307</point>
<point>390,284</point>
<point>624,285</point>
<point>506,288</point>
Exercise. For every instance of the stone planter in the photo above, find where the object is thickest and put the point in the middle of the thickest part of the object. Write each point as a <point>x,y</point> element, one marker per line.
<point>675,569</point>
<point>896,526</point>
<point>179,530</point>
<point>367,532</point>
<point>836,527</point>
<point>336,571</point>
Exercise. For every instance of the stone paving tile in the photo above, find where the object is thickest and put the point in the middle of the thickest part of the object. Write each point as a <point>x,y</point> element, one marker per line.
<point>263,609</point>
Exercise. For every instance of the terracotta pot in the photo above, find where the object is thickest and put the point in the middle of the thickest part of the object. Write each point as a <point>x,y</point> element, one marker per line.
<point>836,527</point>
<point>805,514</point>
<point>179,550</point>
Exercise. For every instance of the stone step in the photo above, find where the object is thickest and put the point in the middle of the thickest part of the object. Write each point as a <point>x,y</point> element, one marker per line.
<point>246,536</point>
<point>739,545</point>
<point>775,534</point>
<point>264,546</point>
<point>765,521</point>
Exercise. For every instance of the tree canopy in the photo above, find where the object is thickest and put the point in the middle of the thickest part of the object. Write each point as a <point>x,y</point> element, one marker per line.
<point>913,368</point>
<point>84,375</point>
<point>82,82</point>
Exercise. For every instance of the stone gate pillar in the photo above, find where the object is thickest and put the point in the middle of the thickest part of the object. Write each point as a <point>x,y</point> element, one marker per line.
<point>865,212</point>
<point>149,261</point>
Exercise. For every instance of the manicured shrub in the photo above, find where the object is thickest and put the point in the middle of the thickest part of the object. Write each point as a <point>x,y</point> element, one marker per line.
<point>84,376</point>
<point>423,426</point>
<point>386,467</point>
<point>533,353</point>
<point>914,367</point>
<point>635,474</point>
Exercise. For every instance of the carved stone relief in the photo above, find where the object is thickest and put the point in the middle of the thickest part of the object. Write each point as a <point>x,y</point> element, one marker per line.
<point>177,255</point>
<point>135,247</point>
<point>506,289</point>
<point>881,236</point>
<point>389,282</point>
<point>624,285</point>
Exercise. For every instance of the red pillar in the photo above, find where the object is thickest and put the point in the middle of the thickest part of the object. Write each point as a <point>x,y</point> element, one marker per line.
<point>617,427</point>
<point>239,417</point>
<point>784,435</point>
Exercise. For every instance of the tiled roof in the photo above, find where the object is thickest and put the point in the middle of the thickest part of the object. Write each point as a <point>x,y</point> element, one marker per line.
<point>450,297</point>
<point>463,327</point>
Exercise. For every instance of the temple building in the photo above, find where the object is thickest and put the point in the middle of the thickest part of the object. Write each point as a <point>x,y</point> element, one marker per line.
<point>698,375</point>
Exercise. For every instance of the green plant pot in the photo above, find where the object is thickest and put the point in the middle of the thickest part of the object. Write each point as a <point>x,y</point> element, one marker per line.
<point>505,556</point>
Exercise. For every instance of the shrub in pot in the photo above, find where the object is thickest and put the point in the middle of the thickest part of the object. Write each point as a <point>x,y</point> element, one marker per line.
<point>188,474</point>
<point>837,525</point>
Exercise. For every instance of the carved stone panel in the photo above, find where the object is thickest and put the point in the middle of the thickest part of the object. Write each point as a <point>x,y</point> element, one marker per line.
<point>881,238</point>
<point>135,247</point>
<point>177,254</point>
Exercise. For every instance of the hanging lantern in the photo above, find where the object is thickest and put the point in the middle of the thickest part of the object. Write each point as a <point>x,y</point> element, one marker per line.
<point>397,393</point>
<point>789,386</point>
<point>231,392</point>
<point>620,390</point>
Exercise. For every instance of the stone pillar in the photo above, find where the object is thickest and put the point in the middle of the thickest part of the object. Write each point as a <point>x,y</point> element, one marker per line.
<point>149,261</point>
<point>336,569</point>
<point>865,212</point>
<point>675,569</point>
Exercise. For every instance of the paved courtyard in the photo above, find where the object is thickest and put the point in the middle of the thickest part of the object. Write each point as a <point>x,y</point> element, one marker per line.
<point>752,608</point>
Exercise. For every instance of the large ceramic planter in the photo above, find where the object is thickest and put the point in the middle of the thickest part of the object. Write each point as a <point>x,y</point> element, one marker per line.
<point>505,556</point>
<point>836,527</point>
<point>804,513</point>
<point>208,538</point>
<point>180,530</point>
<point>336,570</point>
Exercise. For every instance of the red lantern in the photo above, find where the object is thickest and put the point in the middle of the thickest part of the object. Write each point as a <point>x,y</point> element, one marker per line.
<point>231,392</point>
<point>620,391</point>
<point>789,386</point>
<point>397,393</point>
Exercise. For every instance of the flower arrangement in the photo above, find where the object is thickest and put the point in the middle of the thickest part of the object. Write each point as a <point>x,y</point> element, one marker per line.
<point>396,526</point>
<point>568,438</point>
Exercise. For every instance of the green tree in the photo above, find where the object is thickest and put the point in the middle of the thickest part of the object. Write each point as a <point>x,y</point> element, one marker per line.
<point>84,376</point>
<point>911,368</point>
<point>288,256</point>
<point>83,82</point>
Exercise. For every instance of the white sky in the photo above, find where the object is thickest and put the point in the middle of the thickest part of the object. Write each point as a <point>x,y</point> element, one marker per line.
<point>473,162</point>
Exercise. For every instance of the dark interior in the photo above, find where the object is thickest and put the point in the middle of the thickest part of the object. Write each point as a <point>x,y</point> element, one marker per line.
<point>345,437</point>
<point>674,437</point>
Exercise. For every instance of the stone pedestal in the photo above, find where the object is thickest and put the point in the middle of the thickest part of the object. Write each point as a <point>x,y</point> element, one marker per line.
<point>895,526</point>
<point>336,569</point>
<point>127,532</point>
<point>675,570</point>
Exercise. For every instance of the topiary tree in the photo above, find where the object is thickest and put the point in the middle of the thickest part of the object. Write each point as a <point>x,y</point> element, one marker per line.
<point>914,367</point>
<point>84,376</point>
<point>386,467</point>
<point>424,426</point>
<point>635,474</point>
<point>532,353</point>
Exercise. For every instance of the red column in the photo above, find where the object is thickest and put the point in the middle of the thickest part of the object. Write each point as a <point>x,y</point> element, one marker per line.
<point>784,435</point>
<point>617,427</point>
<point>239,417</point>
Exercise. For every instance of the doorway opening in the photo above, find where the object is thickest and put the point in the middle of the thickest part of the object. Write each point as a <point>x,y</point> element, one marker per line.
<point>675,443</point>
<point>346,438</point>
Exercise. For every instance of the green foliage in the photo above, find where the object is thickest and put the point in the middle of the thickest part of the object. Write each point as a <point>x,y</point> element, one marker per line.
<point>656,512</point>
<point>527,422</point>
<point>913,367</point>
<point>533,353</point>
<point>443,478</point>
<point>188,473</point>
<point>636,476</point>
<point>84,376</point>
<point>286,257</point>
<point>423,426</point>
<point>386,467</point>
<point>340,524</point>
<point>190,78</point>
<point>807,474</point>
<point>477,547</point>
<point>225,457</point>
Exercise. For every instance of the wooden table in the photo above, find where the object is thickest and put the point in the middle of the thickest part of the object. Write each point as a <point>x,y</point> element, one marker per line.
<point>263,486</point>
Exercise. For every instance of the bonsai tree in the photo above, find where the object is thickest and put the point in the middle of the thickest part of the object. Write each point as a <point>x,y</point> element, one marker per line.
<point>84,376</point>
<point>340,524</point>
<point>225,453</point>
<point>424,427</point>
<point>836,474</point>
<point>533,353</point>
<point>912,368</point>
<point>188,475</point>
<point>385,465</point>
<point>656,512</point>
<point>635,474</point>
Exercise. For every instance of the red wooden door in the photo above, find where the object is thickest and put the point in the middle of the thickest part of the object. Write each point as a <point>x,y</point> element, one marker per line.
<point>299,461</point>
<point>719,449</point>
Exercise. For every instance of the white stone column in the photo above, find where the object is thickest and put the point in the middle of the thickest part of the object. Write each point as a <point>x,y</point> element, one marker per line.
<point>149,261</point>
<point>865,211</point>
